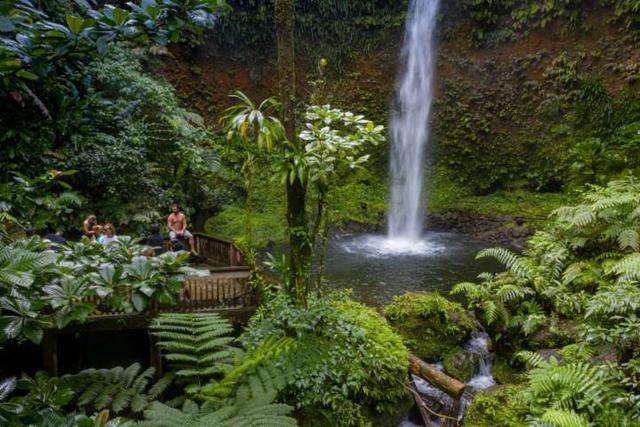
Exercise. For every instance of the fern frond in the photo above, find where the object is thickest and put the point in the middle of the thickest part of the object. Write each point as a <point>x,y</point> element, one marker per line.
<point>629,239</point>
<point>519,266</point>
<point>196,345</point>
<point>627,268</point>
<point>531,358</point>
<point>116,389</point>
<point>562,418</point>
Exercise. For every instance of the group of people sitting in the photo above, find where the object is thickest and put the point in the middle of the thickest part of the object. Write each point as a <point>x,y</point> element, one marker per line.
<point>97,233</point>
<point>176,222</point>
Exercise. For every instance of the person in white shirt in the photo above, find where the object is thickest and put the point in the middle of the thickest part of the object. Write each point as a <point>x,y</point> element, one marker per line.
<point>108,236</point>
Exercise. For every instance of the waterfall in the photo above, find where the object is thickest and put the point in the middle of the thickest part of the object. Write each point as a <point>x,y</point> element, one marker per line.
<point>410,120</point>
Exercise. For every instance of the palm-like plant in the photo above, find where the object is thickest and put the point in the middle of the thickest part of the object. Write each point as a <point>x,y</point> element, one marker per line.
<point>253,123</point>
<point>257,129</point>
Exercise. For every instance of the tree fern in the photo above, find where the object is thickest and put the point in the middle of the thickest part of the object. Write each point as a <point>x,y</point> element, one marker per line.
<point>262,372</point>
<point>196,345</point>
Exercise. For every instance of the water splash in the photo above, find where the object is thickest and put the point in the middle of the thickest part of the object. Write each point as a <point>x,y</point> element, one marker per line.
<point>479,345</point>
<point>483,378</point>
<point>375,246</point>
<point>410,121</point>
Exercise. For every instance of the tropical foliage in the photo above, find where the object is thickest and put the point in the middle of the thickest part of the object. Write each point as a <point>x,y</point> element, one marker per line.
<point>347,360</point>
<point>42,288</point>
<point>195,345</point>
<point>577,286</point>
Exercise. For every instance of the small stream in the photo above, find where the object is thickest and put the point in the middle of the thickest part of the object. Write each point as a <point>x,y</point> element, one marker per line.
<point>478,344</point>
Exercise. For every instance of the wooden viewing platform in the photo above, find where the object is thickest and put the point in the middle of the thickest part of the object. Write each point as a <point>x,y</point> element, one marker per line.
<point>224,289</point>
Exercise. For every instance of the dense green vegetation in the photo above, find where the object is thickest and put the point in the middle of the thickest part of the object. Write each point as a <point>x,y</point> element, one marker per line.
<point>549,135</point>
<point>43,289</point>
<point>573,290</point>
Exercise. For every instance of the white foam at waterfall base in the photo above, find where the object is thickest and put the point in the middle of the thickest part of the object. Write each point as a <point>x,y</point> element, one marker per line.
<point>383,246</point>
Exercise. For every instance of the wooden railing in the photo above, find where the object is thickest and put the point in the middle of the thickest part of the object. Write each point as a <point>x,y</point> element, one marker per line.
<point>218,252</point>
<point>214,293</point>
<point>227,286</point>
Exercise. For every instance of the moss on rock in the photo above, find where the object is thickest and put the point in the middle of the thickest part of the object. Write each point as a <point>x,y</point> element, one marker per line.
<point>496,406</point>
<point>504,373</point>
<point>429,323</point>
<point>460,363</point>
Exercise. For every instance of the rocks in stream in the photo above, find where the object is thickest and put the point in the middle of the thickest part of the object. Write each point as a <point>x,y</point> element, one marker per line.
<point>460,363</point>
<point>430,324</point>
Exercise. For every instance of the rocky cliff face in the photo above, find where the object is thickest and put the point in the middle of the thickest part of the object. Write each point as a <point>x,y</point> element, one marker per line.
<point>507,116</point>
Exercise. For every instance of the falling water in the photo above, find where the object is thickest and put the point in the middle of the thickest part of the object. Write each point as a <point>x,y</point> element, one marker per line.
<point>410,121</point>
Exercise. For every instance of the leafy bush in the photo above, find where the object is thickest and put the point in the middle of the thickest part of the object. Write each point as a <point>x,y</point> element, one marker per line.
<point>45,202</point>
<point>41,288</point>
<point>347,362</point>
<point>430,324</point>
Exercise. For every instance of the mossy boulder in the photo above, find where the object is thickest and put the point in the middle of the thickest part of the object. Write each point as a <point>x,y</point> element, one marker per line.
<point>504,373</point>
<point>554,333</point>
<point>460,363</point>
<point>496,406</point>
<point>430,324</point>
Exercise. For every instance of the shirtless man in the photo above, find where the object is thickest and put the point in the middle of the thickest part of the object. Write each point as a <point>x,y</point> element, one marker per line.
<point>177,224</point>
<point>89,227</point>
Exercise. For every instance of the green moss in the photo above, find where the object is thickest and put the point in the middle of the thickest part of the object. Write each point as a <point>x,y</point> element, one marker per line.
<point>516,203</point>
<point>460,363</point>
<point>497,406</point>
<point>362,199</point>
<point>505,373</point>
<point>430,324</point>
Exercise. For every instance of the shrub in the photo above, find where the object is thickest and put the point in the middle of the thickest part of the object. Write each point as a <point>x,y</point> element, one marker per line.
<point>349,360</point>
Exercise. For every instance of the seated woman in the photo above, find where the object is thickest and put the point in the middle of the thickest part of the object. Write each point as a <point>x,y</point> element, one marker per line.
<point>108,236</point>
<point>97,233</point>
<point>89,227</point>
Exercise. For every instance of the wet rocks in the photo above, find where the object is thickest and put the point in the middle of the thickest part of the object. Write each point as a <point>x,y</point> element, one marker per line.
<point>460,363</point>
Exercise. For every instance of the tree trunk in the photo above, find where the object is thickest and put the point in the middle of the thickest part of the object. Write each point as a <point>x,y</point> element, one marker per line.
<point>285,23</point>
<point>298,233</point>
<point>444,382</point>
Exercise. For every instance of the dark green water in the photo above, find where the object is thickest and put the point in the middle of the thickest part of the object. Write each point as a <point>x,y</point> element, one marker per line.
<point>377,270</point>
